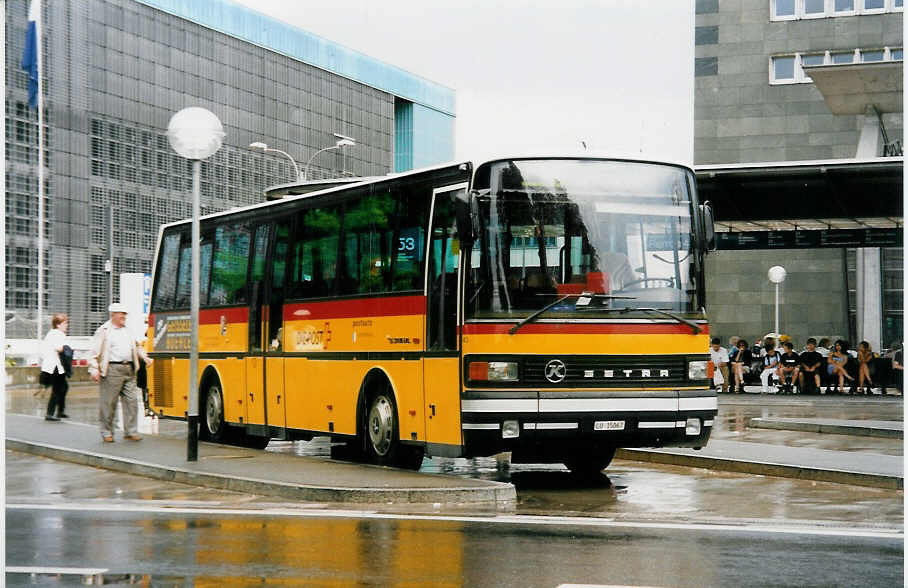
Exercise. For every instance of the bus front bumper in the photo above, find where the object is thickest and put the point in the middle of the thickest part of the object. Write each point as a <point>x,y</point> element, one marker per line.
<point>550,425</point>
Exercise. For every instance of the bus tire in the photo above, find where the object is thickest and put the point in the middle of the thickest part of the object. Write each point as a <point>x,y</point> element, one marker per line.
<point>212,426</point>
<point>382,434</point>
<point>590,466</point>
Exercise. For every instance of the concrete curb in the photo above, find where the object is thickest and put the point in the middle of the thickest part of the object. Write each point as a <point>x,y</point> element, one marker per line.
<point>496,492</point>
<point>763,468</point>
<point>837,429</point>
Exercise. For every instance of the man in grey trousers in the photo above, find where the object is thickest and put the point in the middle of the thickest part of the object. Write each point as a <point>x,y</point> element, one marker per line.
<point>115,357</point>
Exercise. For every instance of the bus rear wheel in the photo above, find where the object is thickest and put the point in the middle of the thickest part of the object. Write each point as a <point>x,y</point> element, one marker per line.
<point>383,436</point>
<point>590,466</point>
<point>213,427</point>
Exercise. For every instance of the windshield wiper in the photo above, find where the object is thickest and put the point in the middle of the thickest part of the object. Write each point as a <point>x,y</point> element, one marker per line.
<point>561,299</point>
<point>694,326</point>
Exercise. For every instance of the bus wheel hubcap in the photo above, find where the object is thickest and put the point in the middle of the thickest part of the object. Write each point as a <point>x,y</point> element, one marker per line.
<point>381,425</point>
<point>213,410</point>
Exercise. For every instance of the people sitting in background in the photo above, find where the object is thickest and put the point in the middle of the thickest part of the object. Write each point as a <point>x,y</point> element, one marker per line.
<point>770,365</point>
<point>837,361</point>
<point>788,364</point>
<point>741,362</point>
<point>865,358</point>
<point>732,347</point>
<point>768,342</point>
<point>810,361</point>
<point>719,357</point>
<point>823,347</point>
<point>898,365</point>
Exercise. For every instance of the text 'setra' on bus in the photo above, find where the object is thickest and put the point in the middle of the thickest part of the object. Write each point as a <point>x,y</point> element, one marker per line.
<point>548,307</point>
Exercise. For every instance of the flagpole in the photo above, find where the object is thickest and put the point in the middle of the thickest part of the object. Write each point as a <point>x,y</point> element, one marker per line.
<point>39,30</point>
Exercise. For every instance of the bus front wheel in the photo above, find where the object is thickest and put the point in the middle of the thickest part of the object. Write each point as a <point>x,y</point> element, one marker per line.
<point>590,466</point>
<point>383,437</point>
<point>213,426</point>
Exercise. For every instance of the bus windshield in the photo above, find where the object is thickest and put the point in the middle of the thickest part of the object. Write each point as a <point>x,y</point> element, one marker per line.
<point>582,239</point>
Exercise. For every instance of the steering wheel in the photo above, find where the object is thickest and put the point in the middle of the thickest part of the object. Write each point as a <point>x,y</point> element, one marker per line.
<point>669,282</point>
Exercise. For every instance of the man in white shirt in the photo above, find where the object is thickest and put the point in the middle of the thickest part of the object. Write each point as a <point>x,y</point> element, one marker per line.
<point>719,356</point>
<point>115,356</point>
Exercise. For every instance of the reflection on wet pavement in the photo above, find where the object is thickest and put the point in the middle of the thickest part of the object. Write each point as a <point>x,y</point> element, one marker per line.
<point>632,490</point>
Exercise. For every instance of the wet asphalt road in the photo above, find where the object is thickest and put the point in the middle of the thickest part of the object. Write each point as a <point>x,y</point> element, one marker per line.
<point>310,549</point>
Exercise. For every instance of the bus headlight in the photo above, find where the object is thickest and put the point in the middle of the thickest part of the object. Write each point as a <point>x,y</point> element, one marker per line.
<point>493,371</point>
<point>696,370</point>
<point>510,430</point>
<point>692,427</point>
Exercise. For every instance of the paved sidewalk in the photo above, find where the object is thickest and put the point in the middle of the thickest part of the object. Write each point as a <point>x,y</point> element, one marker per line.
<point>861,428</point>
<point>822,465</point>
<point>227,467</point>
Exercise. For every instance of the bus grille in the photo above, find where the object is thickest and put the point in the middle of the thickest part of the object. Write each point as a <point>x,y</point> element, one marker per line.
<point>607,371</point>
<point>162,382</point>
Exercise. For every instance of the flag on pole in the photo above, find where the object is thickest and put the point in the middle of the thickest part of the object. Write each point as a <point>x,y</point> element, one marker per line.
<point>30,55</point>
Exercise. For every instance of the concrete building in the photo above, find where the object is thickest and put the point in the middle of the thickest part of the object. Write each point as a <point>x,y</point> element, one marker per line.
<point>115,71</point>
<point>798,144</point>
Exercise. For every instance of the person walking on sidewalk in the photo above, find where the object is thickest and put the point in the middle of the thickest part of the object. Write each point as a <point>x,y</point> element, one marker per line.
<point>114,361</point>
<point>53,372</point>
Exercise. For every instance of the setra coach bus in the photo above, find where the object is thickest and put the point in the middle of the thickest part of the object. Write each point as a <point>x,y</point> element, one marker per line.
<point>549,307</point>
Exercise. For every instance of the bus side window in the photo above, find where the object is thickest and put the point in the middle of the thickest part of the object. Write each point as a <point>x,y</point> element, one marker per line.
<point>315,260</point>
<point>231,256</point>
<point>165,289</point>
<point>184,277</point>
<point>405,236</point>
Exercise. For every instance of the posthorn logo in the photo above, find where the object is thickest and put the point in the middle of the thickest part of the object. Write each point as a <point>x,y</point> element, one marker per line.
<point>555,371</point>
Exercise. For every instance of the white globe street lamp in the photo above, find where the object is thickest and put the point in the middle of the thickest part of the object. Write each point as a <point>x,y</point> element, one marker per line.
<point>196,134</point>
<point>776,275</point>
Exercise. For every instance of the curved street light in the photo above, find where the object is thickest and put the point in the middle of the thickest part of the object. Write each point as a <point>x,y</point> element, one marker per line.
<point>341,142</point>
<point>265,148</point>
<point>196,134</point>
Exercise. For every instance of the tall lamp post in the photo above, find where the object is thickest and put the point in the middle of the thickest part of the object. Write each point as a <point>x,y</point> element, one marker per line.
<point>776,275</point>
<point>342,141</point>
<point>265,149</point>
<point>196,134</point>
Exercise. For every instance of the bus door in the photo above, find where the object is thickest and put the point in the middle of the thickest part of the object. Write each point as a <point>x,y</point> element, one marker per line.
<point>273,305</point>
<point>255,358</point>
<point>441,365</point>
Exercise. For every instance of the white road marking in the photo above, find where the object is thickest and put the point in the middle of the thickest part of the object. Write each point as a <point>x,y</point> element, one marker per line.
<point>549,521</point>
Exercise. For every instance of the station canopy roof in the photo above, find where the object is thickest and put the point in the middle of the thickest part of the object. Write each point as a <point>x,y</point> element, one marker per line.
<point>805,195</point>
<point>850,88</point>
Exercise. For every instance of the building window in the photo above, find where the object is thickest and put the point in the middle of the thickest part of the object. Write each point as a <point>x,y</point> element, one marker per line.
<point>706,66</point>
<point>783,69</point>
<point>783,9</point>
<point>814,8</point>
<point>789,69</point>
<point>798,9</point>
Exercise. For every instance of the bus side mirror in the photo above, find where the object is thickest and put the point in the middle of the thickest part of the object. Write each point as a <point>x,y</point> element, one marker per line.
<point>463,210</point>
<point>709,226</point>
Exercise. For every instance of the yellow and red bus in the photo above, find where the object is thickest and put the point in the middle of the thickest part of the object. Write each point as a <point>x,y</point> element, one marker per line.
<point>549,307</point>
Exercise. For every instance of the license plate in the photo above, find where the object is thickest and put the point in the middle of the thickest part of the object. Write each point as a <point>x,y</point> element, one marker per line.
<point>608,425</point>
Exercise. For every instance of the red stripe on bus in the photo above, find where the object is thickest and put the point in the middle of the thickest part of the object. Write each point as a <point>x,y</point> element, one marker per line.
<point>581,329</point>
<point>211,316</point>
<point>231,315</point>
<point>356,307</point>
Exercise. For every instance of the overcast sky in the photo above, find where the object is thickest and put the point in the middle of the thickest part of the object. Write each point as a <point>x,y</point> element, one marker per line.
<point>533,76</point>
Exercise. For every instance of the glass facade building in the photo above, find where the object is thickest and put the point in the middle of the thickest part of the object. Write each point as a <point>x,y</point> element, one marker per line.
<point>115,71</point>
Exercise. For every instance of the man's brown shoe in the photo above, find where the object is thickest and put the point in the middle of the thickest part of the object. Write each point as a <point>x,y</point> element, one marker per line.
<point>108,439</point>
<point>133,437</point>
